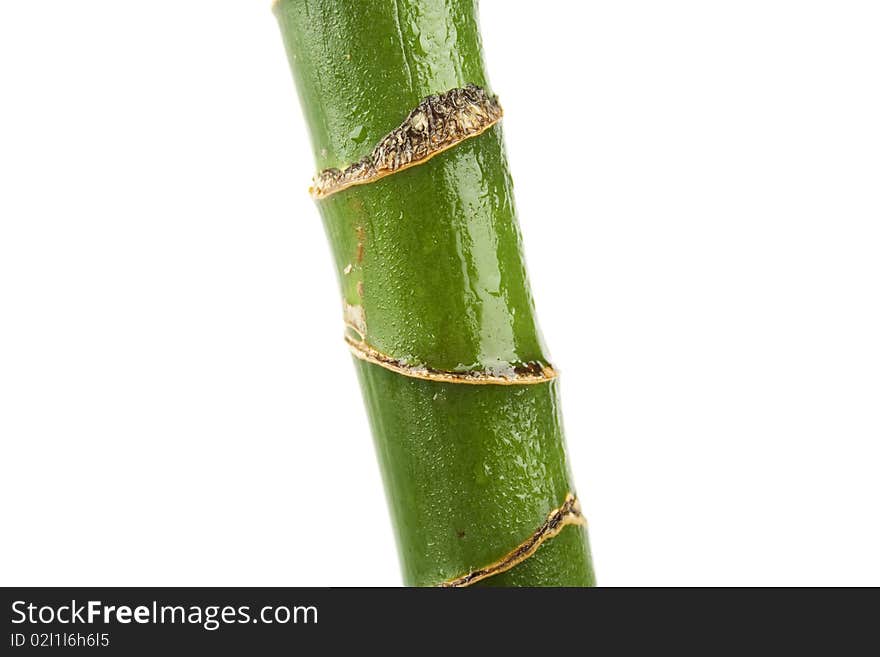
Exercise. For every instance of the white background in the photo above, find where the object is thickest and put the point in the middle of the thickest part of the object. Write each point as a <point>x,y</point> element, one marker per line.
<point>699,190</point>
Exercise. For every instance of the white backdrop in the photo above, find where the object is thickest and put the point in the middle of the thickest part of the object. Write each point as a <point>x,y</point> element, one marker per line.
<point>702,228</point>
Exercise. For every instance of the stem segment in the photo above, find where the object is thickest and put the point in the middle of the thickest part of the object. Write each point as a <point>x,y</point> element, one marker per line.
<point>435,292</point>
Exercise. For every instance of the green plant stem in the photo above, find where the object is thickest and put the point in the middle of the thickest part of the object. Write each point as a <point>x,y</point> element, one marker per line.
<point>430,260</point>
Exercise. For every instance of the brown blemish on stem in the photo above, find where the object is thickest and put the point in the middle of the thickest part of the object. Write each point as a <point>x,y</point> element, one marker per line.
<point>437,124</point>
<point>520,375</point>
<point>359,249</point>
<point>568,514</point>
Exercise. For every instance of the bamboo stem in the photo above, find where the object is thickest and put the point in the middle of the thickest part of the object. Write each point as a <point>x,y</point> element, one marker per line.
<point>417,203</point>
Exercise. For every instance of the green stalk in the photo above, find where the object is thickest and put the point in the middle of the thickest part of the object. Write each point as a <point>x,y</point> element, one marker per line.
<point>463,403</point>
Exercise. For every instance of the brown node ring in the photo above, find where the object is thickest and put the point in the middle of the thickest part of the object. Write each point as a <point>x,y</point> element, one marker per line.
<point>530,373</point>
<point>436,124</point>
<point>568,514</point>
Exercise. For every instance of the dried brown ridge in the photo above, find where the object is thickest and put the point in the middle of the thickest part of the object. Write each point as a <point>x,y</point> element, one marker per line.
<point>437,123</point>
<point>528,373</point>
<point>568,514</point>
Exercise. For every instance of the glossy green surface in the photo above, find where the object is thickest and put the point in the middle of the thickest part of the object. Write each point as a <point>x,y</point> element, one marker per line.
<point>432,256</point>
<point>470,472</point>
